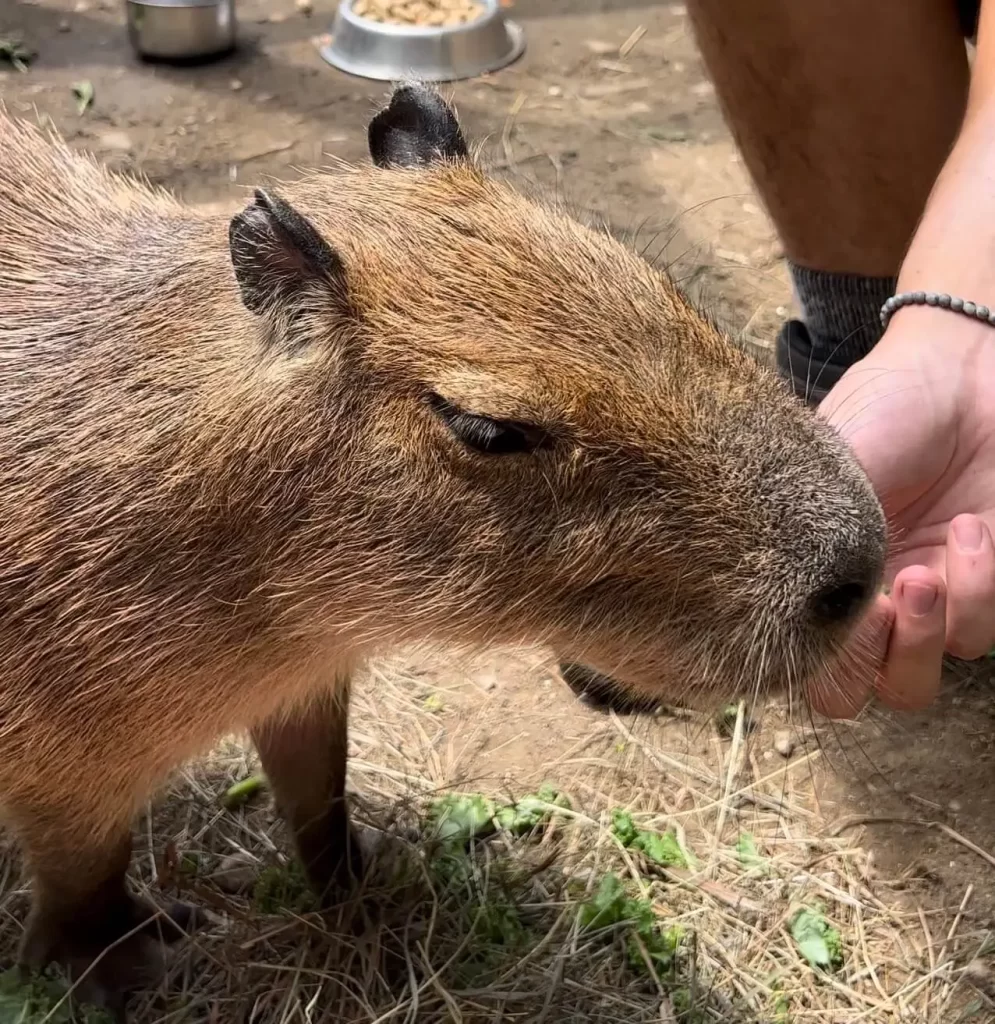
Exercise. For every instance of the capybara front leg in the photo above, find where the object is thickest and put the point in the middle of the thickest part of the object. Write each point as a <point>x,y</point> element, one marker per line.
<point>303,754</point>
<point>84,919</point>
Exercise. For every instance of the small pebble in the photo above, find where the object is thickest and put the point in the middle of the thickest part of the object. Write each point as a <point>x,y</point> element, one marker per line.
<point>236,873</point>
<point>600,47</point>
<point>554,90</point>
<point>955,806</point>
<point>235,85</point>
<point>305,7</point>
<point>118,141</point>
<point>784,744</point>
<point>979,974</point>
<point>64,25</point>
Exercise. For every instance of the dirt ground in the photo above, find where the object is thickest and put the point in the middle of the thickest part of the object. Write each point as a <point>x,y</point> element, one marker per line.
<point>610,108</point>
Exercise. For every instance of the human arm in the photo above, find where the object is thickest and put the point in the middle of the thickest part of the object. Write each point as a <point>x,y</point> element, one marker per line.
<point>920,414</point>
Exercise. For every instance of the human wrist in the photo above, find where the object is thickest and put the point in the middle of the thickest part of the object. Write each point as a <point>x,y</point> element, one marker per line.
<point>936,353</point>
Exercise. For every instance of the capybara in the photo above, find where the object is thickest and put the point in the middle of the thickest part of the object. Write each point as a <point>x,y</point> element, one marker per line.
<point>387,404</point>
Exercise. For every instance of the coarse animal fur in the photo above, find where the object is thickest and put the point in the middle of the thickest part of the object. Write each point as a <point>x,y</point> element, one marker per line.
<point>385,404</point>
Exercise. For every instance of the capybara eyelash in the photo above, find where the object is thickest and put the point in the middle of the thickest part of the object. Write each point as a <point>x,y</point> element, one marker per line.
<point>485,434</point>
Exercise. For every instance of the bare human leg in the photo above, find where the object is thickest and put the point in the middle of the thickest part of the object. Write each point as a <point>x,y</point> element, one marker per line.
<point>844,113</point>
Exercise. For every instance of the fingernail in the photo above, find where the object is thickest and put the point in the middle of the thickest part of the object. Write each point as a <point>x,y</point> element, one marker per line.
<point>919,597</point>
<point>967,533</point>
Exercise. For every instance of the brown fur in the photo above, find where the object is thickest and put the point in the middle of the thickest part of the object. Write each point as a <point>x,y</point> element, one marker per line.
<point>208,514</point>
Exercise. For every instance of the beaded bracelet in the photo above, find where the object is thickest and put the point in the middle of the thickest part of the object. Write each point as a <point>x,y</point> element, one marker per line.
<point>941,299</point>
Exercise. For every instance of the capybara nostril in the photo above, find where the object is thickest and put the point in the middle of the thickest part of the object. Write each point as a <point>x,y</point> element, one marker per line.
<point>854,573</point>
<point>839,602</point>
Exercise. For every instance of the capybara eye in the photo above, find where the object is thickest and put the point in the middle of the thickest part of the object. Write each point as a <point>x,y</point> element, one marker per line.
<point>487,435</point>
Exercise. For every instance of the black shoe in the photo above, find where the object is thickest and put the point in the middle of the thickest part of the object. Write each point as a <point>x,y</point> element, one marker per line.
<point>810,378</point>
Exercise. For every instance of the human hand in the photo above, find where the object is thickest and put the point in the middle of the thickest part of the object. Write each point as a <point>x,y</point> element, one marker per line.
<point>919,412</point>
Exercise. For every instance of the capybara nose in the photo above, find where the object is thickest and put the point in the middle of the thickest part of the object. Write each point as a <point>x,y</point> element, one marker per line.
<point>853,567</point>
<point>837,603</point>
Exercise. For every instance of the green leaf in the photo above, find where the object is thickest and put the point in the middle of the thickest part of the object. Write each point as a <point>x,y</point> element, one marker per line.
<point>660,944</point>
<point>433,703</point>
<point>817,941</point>
<point>533,810</point>
<point>15,53</point>
<point>458,818</point>
<point>243,791</point>
<point>659,847</point>
<point>624,827</point>
<point>607,906</point>
<point>83,91</point>
<point>749,855</point>
<point>726,719</point>
<point>499,924</point>
<point>283,887</point>
<point>611,906</point>
<point>34,1001</point>
<point>782,1009</point>
<point>190,864</point>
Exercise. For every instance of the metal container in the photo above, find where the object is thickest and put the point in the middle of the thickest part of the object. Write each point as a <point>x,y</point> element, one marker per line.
<point>181,29</point>
<point>391,53</point>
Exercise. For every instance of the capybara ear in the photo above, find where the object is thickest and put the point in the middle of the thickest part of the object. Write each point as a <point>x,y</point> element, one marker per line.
<point>278,253</point>
<point>416,128</point>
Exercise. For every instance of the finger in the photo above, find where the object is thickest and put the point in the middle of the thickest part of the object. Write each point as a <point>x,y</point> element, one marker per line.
<point>910,677</point>
<point>970,588</point>
<point>842,692</point>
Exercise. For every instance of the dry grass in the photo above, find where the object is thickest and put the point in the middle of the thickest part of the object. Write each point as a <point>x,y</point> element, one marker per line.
<point>497,934</point>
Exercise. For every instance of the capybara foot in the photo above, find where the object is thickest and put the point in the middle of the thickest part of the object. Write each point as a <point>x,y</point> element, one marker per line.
<point>334,867</point>
<point>105,958</point>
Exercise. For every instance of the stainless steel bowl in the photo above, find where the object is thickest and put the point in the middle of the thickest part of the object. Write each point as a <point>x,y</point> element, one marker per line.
<point>391,53</point>
<point>181,29</point>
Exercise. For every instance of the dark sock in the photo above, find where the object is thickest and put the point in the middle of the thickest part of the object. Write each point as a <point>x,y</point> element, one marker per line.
<point>841,311</point>
<point>840,324</point>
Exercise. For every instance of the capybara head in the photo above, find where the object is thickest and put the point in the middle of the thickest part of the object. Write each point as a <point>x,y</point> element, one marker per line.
<point>536,437</point>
